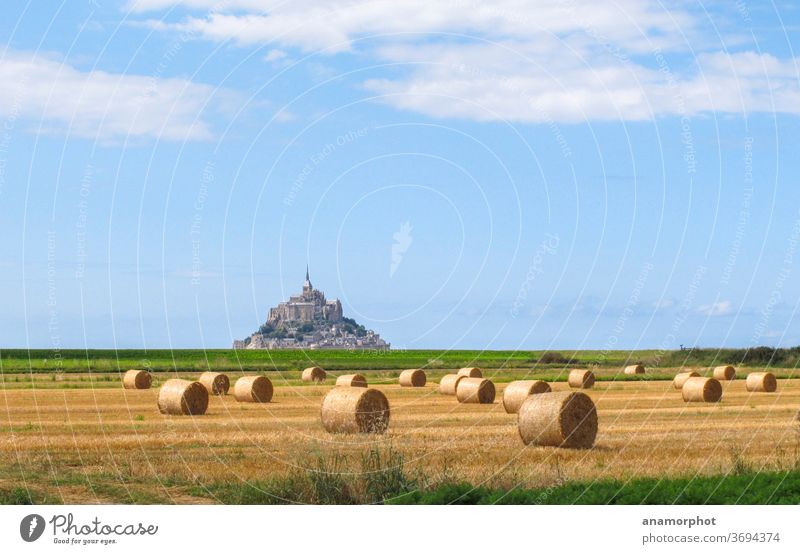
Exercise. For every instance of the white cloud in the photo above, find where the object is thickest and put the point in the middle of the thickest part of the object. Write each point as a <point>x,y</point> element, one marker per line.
<point>275,55</point>
<point>334,24</point>
<point>57,97</point>
<point>503,82</point>
<point>518,60</point>
<point>279,58</point>
<point>746,81</point>
<point>723,307</point>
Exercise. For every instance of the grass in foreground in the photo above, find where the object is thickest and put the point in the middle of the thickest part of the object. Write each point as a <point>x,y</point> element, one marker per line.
<point>380,477</point>
<point>383,479</point>
<point>753,488</point>
<point>19,496</point>
<point>331,488</point>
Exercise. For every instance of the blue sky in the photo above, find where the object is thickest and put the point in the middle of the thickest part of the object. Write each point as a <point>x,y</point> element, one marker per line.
<point>515,174</point>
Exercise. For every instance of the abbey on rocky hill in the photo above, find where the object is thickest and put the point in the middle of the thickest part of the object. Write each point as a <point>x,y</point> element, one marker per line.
<point>308,320</point>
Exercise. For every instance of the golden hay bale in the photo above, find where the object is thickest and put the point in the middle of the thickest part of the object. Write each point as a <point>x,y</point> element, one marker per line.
<point>470,372</point>
<point>581,379</point>
<point>725,373</point>
<point>449,383</point>
<point>355,410</point>
<point>314,374</point>
<point>517,392</point>
<point>681,378</point>
<point>137,379</point>
<point>567,419</point>
<point>701,389</point>
<point>215,383</point>
<point>353,380</point>
<point>254,388</point>
<point>182,397</point>
<point>475,390</point>
<point>636,369</point>
<point>413,378</point>
<point>762,381</point>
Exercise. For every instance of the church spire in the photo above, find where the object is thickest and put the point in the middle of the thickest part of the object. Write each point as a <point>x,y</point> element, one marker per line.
<point>307,285</point>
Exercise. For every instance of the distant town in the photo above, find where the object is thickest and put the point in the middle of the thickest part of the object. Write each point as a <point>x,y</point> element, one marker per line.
<point>309,321</point>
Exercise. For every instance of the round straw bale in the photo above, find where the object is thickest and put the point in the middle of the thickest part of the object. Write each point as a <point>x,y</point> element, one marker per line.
<point>215,383</point>
<point>701,389</point>
<point>475,390</point>
<point>634,369</point>
<point>137,379</point>
<point>581,379</point>
<point>762,381</point>
<point>567,419</point>
<point>413,378</point>
<point>681,378</point>
<point>314,374</point>
<point>355,410</point>
<point>725,373</point>
<point>449,383</point>
<point>182,397</point>
<point>254,388</point>
<point>517,392</point>
<point>353,380</point>
<point>470,372</point>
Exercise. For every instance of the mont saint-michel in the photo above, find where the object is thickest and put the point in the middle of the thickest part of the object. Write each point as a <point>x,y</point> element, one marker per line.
<point>309,320</point>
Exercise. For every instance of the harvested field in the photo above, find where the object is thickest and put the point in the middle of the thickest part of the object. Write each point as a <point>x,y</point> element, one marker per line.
<point>112,445</point>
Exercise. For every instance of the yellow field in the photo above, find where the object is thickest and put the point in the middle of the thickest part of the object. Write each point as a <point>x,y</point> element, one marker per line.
<point>73,438</point>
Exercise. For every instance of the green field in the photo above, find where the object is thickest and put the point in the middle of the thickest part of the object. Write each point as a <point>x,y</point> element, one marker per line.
<point>81,361</point>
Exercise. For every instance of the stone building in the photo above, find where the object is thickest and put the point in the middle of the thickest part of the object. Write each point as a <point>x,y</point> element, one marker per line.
<point>308,306</point>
